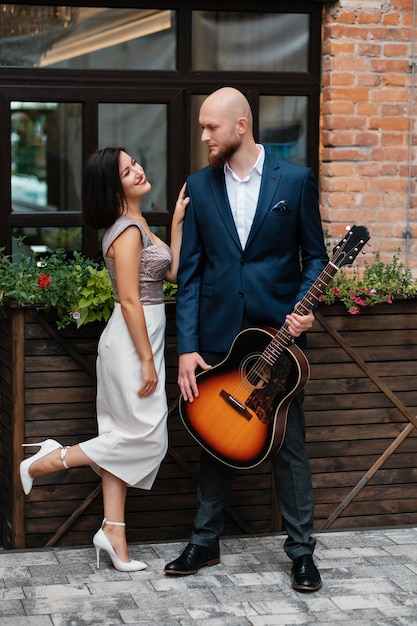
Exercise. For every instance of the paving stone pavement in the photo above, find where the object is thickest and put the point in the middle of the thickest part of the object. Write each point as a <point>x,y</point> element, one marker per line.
<point>369,579</point>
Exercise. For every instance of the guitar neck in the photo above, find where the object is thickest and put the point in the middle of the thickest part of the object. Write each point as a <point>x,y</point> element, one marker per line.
<point>316,290</point>
<point>345,252</point>
<point>283,338</point>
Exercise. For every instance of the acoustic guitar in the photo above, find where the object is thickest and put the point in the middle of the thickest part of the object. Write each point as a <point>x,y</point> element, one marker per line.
<point>240,415</point>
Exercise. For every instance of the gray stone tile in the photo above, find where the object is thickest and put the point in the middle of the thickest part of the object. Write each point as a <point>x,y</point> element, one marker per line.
<point>84,605</point>
<point>210,611</point>
<point>11,607</point>
<point>144,621</point>
<point>15,593</point>
<point>378,601</point>
<point>179,583</point>
<point>361,586</point>
<point>97,617</point>
<point>228,620</point>
<point>17,558</point>
<point>56,591</point>
<point>165,614</point>
<point>114,588</point>
<point>26,620</point>
<point>153,604</point>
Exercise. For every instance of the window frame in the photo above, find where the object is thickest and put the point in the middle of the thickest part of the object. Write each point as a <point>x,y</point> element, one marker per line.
<point>174,88</point>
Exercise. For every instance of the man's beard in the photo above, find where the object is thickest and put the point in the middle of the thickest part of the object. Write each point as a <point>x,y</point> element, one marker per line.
<point>223,155</point>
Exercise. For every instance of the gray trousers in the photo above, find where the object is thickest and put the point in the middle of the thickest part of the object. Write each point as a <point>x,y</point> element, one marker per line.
<point>293,486</point>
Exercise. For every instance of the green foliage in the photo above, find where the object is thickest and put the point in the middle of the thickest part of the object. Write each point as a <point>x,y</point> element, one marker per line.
<point>378,282</point>
<point>170,290</point>
<point>96,302</point>
<point>77,289</point>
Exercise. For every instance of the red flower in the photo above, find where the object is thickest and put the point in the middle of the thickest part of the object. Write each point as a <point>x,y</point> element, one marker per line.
<point>43,281</point>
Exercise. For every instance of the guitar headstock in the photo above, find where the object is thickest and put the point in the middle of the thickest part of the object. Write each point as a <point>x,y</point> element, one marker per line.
<point>348,248</point>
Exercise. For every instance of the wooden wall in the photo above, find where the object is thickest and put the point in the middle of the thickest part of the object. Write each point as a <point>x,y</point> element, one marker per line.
<point>53,376</point>
<point>361,397</point>
<point>360,401</point>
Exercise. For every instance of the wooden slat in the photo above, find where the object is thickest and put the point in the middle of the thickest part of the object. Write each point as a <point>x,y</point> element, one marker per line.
<point>17,428</point>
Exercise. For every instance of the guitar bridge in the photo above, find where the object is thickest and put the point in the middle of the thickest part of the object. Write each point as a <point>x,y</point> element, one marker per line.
<point>240,408</point>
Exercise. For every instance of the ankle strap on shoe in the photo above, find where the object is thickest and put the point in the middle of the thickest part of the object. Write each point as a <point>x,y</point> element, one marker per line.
<point>106,521</point>
<point>63,453</point>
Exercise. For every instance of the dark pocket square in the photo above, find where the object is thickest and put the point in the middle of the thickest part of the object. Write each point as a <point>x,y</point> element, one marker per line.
<point>282,205</point>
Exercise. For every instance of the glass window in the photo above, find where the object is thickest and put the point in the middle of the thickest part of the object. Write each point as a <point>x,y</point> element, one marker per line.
<point>282,129</point>
<point>87,37</point>
<point>46,148</point>
<point>142,130</point>
<point>282,126</point>
<point>40,239</point>
<point>253,42</point>
<point>199,149</point>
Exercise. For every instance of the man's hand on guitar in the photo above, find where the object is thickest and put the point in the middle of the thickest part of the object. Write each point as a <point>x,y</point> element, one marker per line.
<point>188,363</point>
<point>298,324</point>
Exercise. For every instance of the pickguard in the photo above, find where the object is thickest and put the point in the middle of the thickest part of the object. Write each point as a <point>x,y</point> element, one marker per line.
<point>262,400</point>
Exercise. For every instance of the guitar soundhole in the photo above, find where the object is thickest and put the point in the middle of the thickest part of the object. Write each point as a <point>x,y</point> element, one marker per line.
<point>255,372</point>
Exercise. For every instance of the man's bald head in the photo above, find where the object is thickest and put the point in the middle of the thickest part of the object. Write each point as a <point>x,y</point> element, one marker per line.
<point>226,120</point>
<point>229,102</point>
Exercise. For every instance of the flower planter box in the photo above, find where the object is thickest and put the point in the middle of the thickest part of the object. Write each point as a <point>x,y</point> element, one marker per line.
<point>48,390</point>
<point>362,390</point>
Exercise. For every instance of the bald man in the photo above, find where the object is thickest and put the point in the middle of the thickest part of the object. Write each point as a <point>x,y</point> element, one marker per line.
<point>251,219</point>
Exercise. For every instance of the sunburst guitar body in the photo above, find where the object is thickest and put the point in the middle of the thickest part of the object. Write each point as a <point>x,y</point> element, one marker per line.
<point>240,414</point>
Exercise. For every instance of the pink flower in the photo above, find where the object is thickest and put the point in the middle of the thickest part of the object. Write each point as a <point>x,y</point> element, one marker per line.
<point>360,301</point>
<point>389,300</point>
<point>76,315</point>
<point>354,310</point>
<point>336,291</point>
<point>43,281</point>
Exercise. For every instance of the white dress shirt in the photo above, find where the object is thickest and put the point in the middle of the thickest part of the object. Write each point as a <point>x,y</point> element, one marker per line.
<point>243,195</point>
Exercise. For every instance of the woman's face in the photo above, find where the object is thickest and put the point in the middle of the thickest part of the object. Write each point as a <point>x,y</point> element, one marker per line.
<point>133,178</point>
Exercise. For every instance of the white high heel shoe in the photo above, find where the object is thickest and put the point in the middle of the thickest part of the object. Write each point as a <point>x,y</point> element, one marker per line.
<point>101,542</point>
<point>46,446</point>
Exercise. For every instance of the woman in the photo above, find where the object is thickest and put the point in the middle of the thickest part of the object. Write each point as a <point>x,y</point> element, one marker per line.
<point>131,400</point>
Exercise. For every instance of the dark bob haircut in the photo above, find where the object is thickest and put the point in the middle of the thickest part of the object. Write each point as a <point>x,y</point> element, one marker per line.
<point>102,195</point>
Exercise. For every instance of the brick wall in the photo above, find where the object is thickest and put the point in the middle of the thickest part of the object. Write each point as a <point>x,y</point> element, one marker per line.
<point>369,91</point>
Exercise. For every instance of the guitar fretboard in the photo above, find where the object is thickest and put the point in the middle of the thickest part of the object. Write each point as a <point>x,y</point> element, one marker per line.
<point>344,253</point>
<point>283,338</point>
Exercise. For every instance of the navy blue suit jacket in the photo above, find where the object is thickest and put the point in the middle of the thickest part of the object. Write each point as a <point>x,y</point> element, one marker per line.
<point>218,281</point>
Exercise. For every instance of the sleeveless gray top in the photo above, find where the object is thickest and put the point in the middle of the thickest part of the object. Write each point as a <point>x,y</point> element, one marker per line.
<point>156,259</point>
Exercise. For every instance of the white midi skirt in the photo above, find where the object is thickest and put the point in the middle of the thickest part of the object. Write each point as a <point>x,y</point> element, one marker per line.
<point>132,432</point>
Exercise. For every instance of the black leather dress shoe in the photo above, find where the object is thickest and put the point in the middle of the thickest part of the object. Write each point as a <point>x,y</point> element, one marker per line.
<point>192,558</point>
<point>305,575</point>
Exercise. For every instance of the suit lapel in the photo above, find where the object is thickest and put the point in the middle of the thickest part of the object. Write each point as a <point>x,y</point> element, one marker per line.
<point>221,199</point>
<point>268,194</point>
